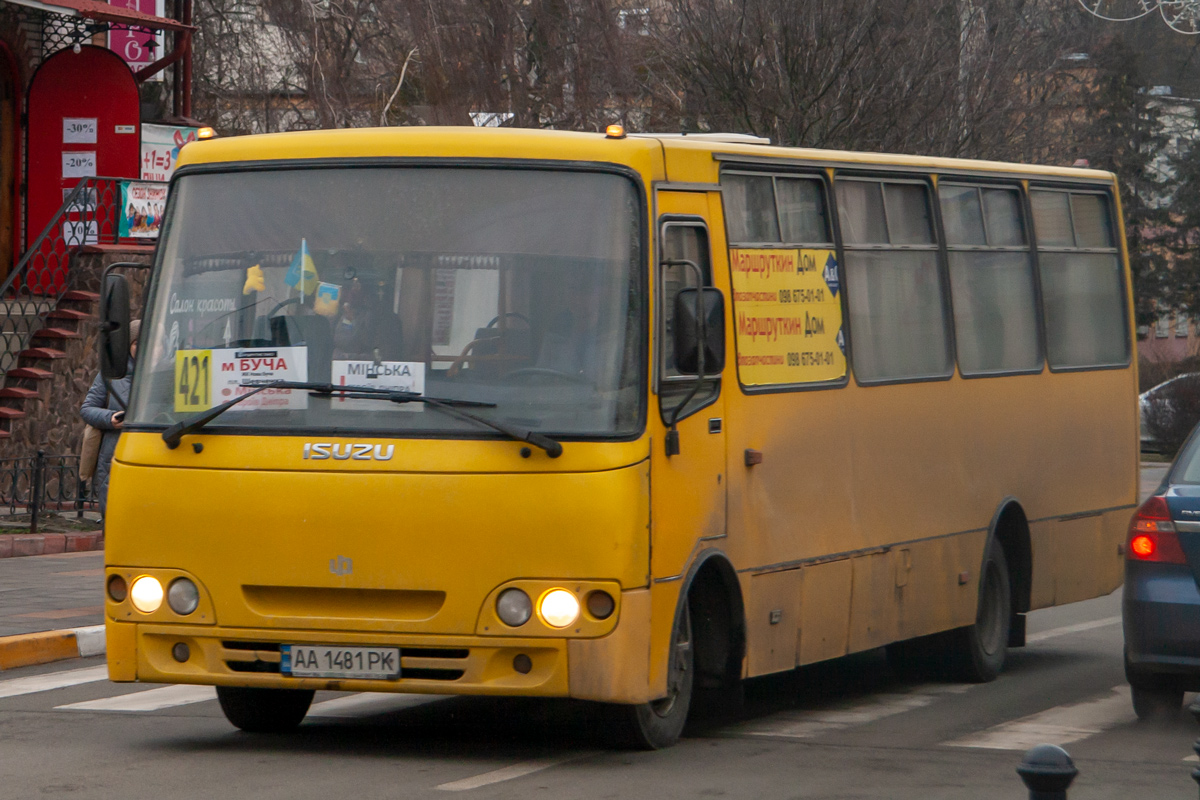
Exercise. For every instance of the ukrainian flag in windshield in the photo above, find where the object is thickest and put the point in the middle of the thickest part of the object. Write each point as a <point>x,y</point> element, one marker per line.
<point>302,274</point>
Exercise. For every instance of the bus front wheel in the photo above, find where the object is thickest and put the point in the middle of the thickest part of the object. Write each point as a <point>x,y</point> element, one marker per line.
<point>264,710</point>
<point>659,724</point>
<point>977,651</point>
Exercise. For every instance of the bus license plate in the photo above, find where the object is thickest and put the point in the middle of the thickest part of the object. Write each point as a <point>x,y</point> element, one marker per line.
<point>327,661</point>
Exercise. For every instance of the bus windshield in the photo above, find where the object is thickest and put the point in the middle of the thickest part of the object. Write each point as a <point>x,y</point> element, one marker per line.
<point>514,287</point>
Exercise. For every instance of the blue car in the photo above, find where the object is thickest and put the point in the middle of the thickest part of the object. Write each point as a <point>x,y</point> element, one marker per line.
<point>1161,605</point>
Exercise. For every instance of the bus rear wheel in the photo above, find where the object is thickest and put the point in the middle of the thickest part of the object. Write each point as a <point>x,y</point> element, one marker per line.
<point>977,652</point>
<point>659,724</point>
<point>264,710</point>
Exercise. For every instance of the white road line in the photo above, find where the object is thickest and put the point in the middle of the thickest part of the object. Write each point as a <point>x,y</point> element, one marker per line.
<point>366,704</point>
<point>807,724</point>
<point>1059,725</point>
<point>1063,631</point>
<point>52,680</point>
<point>149,700</point>
<point>508,773</point>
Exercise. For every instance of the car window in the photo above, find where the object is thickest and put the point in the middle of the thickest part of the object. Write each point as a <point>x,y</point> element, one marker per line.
<point>1187,468</point>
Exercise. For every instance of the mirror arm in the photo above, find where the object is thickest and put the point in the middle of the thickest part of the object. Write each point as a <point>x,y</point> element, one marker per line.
<point>672,440</point>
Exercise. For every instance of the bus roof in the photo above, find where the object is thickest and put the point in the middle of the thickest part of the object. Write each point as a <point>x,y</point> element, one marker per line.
<point>641,151</point>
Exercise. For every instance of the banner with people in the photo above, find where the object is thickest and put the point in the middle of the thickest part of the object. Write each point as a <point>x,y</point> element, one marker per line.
<point>142,206</point>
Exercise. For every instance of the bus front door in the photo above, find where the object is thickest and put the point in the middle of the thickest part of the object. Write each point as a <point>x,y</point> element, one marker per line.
<point>687,481</point>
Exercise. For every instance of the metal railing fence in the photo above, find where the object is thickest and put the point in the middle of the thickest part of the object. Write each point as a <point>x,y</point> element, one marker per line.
<point>43,483</point>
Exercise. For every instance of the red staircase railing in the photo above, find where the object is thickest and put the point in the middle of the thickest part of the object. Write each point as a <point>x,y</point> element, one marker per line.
<point>90,214</point>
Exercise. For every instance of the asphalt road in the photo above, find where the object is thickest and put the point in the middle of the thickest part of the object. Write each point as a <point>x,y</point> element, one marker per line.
<point>844,729</point>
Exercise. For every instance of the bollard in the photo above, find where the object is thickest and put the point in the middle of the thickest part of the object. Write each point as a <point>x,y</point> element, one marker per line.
<point>80,494</point>
<point>1047,771</point>
<point>1196,771</point>
<point>1194,710</point>
<point>35,490</point>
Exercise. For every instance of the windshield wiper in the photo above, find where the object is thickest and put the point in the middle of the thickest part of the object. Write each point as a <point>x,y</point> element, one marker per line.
<point>553,448</point>
<point>175,433</point>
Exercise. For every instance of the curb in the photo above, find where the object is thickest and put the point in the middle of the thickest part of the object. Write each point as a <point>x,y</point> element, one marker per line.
<point>13,545</point>
<point>27,649</point>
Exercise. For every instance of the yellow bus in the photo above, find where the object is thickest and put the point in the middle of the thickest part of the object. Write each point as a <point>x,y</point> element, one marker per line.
<point>614,417</point>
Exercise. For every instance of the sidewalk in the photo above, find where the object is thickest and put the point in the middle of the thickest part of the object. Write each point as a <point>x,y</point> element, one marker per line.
<point>51,608</point>
<point>41,593</point>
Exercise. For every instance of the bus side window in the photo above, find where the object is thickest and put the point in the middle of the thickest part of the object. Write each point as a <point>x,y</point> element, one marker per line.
<point>991,279</point>
<point>680,241</point>
<point>1083,292</point>
<point>898,313</point>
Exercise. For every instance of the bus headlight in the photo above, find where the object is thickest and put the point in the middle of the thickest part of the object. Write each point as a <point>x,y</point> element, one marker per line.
<point>182,596</point>
<point>146,594</point>
<point>558,608</point>
<point>513,607</point>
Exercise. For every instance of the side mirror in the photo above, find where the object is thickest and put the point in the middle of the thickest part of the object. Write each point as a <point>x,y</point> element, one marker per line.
<point>710,304</point>
<point>114,327</point>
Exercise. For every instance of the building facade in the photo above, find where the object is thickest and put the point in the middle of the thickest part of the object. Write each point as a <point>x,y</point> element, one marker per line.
<point>78,80</point>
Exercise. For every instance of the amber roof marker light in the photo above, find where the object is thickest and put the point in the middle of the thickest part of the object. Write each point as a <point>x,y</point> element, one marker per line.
<point>206,133</point>
<point>615,132</point>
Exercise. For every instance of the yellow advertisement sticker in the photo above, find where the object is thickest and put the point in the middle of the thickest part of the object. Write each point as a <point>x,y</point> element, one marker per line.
<point>193,380</point>
<point>787,316</point>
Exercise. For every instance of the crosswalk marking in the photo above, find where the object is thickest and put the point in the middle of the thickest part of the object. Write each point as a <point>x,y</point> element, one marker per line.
<point>52,680</point>
<point>367,704</point>
<point>508,773</point>
<point>1060,725</point>
<point>1066,629</point>
<point>808,724</point>
<point>148,700</point>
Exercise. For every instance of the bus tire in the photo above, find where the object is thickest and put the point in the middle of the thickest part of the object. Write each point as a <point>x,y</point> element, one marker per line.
<point>659,724</point>
<point>264,710</point>
<point>977,652</point>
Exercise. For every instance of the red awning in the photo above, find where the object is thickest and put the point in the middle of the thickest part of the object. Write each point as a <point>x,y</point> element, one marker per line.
<point>103,12</point>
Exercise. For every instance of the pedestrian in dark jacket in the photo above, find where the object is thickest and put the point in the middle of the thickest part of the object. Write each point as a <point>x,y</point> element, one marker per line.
<point>106,410</point>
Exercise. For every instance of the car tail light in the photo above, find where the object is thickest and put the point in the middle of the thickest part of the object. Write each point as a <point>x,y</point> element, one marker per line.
<point>1152,534</point>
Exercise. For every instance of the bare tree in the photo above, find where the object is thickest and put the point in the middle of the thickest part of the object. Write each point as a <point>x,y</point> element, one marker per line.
<point>244,80</point>
<point>943,77</point>
<point>288,64</point>
<point>547,63</point>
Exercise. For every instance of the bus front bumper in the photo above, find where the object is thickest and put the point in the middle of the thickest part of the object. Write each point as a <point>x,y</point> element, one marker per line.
<point>613,668</point>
